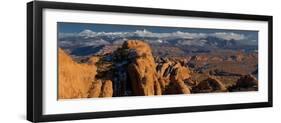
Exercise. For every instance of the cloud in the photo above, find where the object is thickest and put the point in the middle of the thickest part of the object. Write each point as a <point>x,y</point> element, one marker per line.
<point>147,34</point>
<point>228,36</point>
<point>87,33</point>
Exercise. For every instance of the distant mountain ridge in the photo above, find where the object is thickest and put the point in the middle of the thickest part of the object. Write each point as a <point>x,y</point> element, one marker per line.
<point>200,42</point>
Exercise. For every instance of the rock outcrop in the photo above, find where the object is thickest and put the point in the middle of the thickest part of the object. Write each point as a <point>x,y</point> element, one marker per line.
<point>75,79</point>
<point>173,77</point>
<point>245,83</point>
<point>107,89</point>
<point>142,69</point>
<point>179,76</point>
<point>79,80</point>
<point>101,88</point>
<point>95,90</point>
<point>209,85</point>
<point>132,70</point>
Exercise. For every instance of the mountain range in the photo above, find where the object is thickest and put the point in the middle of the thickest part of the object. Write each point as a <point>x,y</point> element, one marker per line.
<point>88,42</point>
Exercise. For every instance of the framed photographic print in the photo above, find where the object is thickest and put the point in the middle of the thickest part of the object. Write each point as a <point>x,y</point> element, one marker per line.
<point>96,61</point>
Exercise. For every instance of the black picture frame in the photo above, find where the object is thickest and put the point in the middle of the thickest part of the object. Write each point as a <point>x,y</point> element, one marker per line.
<point>35,69</point>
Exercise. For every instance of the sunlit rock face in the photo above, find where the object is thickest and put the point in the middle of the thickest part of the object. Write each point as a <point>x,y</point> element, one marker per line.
<point>75,79</point>
<point>142,69</point>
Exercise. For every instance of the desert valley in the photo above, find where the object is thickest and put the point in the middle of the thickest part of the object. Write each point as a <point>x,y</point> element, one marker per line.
<point>132,70</point>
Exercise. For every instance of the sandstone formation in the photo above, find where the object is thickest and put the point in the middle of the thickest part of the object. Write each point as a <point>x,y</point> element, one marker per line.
<point>95,90</point>
<point>93,60</point>
<point>75,79</point>
<point>178,77</point>
<point>107,90</point>
<point>209,85</point>
<point>142,73</point>
<point>79,80</point>
<point>245,83</point>
<point>173,77</point>
<point>131,69</point>
<point>101,88</point>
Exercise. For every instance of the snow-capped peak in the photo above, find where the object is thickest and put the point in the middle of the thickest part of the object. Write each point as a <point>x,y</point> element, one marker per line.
<point>86,33</point>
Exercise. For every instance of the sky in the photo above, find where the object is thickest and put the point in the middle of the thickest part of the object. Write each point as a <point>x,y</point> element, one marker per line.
<point>79,27</point>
